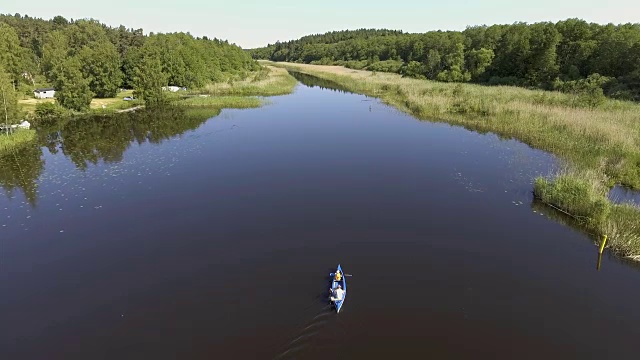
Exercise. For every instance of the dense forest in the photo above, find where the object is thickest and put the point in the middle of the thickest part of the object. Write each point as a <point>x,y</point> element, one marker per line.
<point>570,55</point>
<point>83,59</point>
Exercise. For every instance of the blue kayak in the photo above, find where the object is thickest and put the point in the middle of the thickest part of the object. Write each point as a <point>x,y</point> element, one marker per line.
<point>334,284</point>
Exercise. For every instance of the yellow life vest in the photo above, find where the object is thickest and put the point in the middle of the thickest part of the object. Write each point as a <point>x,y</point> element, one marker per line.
<point>338,276</point>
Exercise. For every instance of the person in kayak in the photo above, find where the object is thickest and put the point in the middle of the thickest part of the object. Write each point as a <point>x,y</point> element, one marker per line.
<point>338,276</point>
<point>337,293</point>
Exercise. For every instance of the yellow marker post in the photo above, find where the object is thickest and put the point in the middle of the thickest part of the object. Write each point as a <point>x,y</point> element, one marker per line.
<point>604,242</point>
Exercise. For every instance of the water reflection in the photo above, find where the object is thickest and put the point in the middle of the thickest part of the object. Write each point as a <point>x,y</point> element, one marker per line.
<point>313,81</point>
<point>20,170</point>
<point>567,220</point>
<point>89,140</point>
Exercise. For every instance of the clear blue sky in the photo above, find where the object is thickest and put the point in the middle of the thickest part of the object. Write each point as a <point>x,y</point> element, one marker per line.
<point>253,23</point>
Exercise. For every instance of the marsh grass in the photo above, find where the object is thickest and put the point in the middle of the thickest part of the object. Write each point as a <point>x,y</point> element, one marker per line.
<point>235,102</point>
<point>15,140</point>
<point>582,194</point>
<point>556,122</point>
<point>269,81</point>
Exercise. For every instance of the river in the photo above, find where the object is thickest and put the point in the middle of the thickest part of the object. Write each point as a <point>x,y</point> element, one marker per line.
<point>187,236</point>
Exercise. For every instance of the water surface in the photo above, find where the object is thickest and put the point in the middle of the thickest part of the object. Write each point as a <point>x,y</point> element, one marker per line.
<point>179,237</point>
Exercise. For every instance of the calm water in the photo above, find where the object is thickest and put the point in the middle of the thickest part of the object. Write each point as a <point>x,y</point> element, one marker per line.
<point>176,237</point>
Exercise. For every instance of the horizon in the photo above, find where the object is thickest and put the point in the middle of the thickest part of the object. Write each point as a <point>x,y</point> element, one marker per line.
<point>253,26</point>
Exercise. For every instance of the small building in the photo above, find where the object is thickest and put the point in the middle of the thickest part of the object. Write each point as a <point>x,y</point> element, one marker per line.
<point>173,88</point>
<point>44,93</point>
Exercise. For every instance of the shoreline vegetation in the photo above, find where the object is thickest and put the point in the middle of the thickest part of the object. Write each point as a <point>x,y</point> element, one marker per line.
<point>15,141</point>
<point>240,94</point>
<point>601,145</point>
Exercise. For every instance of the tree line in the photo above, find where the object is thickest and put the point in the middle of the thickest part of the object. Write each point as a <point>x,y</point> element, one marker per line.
<point>570,55</point>
<point>83,59</point>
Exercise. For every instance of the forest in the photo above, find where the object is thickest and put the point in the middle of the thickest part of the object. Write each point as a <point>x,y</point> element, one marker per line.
<point>83,59</point>
<point>569,56</point>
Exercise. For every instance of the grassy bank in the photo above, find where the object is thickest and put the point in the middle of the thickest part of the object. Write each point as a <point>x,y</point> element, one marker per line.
<point>605,138</point>
<point>582,194</point>
<point>107,104</point>
<point>15,140</point>
<point>269,81</point>
<point>221,102</point>
<point>601,140</point>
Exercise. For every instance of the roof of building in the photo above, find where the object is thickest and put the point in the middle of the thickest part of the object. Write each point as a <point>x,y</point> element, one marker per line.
<point>44,89</point>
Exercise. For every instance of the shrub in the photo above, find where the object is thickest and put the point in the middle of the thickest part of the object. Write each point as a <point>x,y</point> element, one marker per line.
<point>49,110</point>
<point>392,66</point>
<point>582,195</point>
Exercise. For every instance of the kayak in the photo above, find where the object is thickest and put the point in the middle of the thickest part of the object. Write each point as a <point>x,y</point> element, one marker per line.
<point>334,284</point>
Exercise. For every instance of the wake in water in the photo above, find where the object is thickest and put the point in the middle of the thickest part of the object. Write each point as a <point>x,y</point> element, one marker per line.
<point>303,338</point>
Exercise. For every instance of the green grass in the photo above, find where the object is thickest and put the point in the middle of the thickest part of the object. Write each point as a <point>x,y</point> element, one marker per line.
<point>583,196</point>
<point>96,106</point>
<point>235,102</point>
<point>269,81</point>
<point>16,140</point>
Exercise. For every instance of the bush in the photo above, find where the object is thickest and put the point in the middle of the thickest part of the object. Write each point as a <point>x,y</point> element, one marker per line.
<point>413,69</point>
<point>49,110</point>
<point>581,195</point>
<point>587,92</point>
<point>392,66</point>
<point>263,74</point>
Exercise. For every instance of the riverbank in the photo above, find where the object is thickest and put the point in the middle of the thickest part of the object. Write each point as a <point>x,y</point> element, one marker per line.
<point>113,104</point>
<point>244,94</point>
<point>582,194</point>
<point>605,137</point>
<point>603,140</point>
<point>16,140</point>
<point>269,81</point>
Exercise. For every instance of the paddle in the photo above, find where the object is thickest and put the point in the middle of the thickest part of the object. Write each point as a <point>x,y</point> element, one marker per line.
<point>333,274</point>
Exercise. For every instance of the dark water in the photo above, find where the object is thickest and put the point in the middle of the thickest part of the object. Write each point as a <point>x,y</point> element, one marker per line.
<point>167,236</point>
<point>623,195</point>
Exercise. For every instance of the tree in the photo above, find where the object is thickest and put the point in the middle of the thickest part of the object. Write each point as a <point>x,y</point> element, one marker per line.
<point>72,88</point>
<point>55,51</point>
<point>477,61</point>
<point>11,54</point>
<point>101,65</point>
<point>149,80</point>
<point>542,65</point>
<point>9,108</point>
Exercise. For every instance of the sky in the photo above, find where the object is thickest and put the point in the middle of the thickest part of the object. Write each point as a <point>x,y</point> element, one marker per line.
<point>255,23</point>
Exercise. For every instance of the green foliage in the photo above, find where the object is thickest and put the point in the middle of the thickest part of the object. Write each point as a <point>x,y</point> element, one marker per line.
<point>413,69</point>
<point>587,92</point>
<point>392,66</point>
<point>72,88</point>
<point>220,102</point>
<point>149,81</point>
<point>9,144</point>
<point>9,109</point>
<point>101,65</point>
<point>262,74</point>
<point>109,57</point>
<point>582,195</point>
<point>521,54</point>
<point>13,58</point>
<point>49,110</point>
<point>55,51</point>
<point>477,62</point>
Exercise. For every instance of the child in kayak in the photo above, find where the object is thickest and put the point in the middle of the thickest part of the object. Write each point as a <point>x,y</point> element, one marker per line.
<point>338,276</point>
